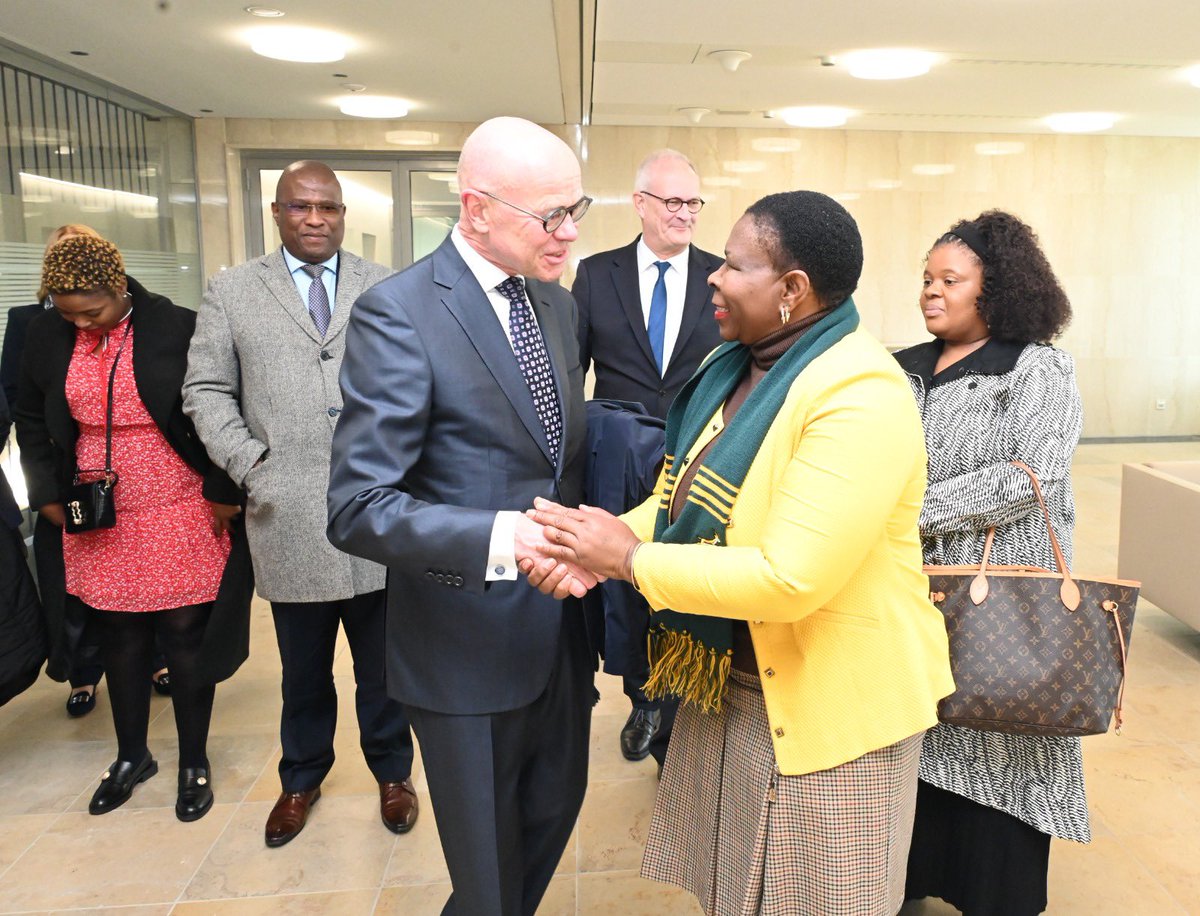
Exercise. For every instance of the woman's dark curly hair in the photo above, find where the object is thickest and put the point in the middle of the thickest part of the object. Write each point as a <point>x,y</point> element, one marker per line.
<point>1022,300</point>
<point>809,231</point>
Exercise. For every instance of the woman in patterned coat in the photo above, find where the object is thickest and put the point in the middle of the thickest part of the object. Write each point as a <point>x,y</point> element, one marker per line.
<point>991,390</point>
<point>159,569</point>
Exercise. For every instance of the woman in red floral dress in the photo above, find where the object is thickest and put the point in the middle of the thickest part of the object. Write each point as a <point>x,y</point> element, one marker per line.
<point>158,570</point>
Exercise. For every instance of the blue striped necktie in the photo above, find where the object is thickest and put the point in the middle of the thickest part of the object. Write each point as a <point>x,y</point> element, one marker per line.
<point>656,327</point>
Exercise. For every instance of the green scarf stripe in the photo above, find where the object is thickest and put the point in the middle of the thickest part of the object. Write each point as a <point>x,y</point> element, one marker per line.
<point>716,512</point>
<point>719,483</point>
<point>713,485</point>
<point>699,490</point>
<point>690,653</point>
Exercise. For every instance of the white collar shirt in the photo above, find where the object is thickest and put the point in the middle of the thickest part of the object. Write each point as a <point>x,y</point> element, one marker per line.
<point>488,276</point>
<point>675,279</point>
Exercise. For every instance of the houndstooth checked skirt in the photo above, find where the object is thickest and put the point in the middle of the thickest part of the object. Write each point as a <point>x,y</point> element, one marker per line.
<point>748,841</point>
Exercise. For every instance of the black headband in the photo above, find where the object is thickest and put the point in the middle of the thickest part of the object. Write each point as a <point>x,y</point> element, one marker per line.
<point>971,237</point>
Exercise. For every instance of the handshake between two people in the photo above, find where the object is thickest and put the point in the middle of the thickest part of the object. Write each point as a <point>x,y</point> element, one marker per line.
<point>565,551</point>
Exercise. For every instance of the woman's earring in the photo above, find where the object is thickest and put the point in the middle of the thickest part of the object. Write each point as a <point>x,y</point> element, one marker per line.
<point>785,313</point>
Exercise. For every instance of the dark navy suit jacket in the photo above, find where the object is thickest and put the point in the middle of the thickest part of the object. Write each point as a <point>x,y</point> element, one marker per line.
<point>625,450</point>
<point>612,328</point>
<point>437,433</point>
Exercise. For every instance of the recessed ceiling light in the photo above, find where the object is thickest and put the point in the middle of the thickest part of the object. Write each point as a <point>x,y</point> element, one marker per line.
<point>206,111</point>
<point>814,115</point>
<point>81,53</point>
<point>933,169</point>
<point>775,144</point>
<point>694,114</point>
<point>1192,75</point>
<point>887,63</point>
<point>411,137</point>
<point>1080,122</point>
<point>307,46</point>
<point>1000,148</point>
<point>263,12</point>
<point>743,166</point>
<point>373,106</point>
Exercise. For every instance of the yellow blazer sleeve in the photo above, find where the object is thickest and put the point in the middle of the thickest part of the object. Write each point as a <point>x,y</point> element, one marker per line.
<point>852,461</point>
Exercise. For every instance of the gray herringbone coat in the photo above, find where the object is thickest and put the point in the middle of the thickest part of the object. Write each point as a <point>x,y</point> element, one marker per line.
<point>261,382</point>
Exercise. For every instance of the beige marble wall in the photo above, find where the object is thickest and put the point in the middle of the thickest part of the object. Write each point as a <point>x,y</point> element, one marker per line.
<point>1119,218</point>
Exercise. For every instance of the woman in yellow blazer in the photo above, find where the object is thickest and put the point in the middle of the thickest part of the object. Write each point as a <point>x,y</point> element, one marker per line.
<point>781,555</point>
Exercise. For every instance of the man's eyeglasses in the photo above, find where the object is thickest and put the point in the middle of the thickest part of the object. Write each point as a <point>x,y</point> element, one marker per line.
<point>326,208</point>
<point>556,217</point>
<point>673,204</point>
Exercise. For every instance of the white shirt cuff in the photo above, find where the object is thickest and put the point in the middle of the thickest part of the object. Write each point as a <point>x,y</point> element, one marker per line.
<point>502,552</point>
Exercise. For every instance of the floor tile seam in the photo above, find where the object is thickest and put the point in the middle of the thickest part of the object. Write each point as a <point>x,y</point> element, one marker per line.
<point>261,771</point>
<point>208,852</point>
<point>1119,838</point>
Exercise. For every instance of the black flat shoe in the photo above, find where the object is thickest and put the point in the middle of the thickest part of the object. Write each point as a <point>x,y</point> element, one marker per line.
<point>118,781</point>
<point>81,703</point>
<point>195,794</point>
<point>161,680</point>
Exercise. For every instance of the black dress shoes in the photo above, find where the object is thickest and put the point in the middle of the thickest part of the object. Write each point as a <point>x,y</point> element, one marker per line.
<point>195,794</point>
<point>640,727</point>
<point>117,783</point>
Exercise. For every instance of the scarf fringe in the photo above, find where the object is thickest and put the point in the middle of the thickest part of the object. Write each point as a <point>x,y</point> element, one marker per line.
<point>682,666</point>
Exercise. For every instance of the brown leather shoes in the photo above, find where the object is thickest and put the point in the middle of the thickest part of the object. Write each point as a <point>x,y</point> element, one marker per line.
<point>289,815</point>
<point>398,805</point>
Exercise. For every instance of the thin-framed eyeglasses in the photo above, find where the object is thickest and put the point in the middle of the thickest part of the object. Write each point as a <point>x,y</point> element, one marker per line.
<point>673,204</point>
<point>326,208</point>
<point>556,217</point>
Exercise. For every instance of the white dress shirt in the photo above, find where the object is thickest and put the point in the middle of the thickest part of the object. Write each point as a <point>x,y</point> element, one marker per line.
<point>502,559</point>
<point>675,278</point>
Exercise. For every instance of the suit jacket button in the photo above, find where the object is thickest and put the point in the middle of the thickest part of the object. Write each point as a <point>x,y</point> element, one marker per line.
<point>458,581</point>
<point>334,411</point>
<point>429,574</point>
<point>662,392</point>
<point>440,578</point>
<point>325,354</point>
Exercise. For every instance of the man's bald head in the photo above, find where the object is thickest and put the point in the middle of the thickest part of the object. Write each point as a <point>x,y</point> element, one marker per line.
<point>309,212</point>
<point>530,169</point>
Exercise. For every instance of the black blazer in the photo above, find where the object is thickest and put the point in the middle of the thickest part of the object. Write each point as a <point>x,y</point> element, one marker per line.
<point>15,330</point>
<point>612,328</point>
<point>47,433</point>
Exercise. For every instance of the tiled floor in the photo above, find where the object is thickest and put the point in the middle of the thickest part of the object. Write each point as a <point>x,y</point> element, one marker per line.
<point>1144,789</point>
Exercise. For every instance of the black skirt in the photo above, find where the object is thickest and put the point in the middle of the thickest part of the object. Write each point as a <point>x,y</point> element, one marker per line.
<point>980,860</point>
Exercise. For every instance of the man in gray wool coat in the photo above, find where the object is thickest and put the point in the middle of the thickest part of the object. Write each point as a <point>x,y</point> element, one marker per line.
<point>262,390</point>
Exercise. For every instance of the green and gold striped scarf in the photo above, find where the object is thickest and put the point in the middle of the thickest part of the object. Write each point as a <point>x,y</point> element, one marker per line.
<point>690,654</point>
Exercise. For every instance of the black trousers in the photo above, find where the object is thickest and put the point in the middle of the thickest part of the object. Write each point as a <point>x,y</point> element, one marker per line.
<point>307,634</point>
<point>507,787</point>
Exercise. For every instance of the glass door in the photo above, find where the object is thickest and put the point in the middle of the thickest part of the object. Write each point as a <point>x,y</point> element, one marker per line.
<point>397,210</point>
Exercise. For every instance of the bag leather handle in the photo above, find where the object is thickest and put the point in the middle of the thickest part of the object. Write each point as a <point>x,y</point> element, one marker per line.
<point>1068,591</point>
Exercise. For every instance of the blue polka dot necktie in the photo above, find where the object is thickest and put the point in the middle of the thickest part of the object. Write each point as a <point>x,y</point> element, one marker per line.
<point>533,361</point>
<point>656,326</point>
<point>318,298</point>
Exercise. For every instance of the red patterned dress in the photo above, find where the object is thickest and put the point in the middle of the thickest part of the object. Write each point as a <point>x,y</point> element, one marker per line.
<point>162,553</point>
